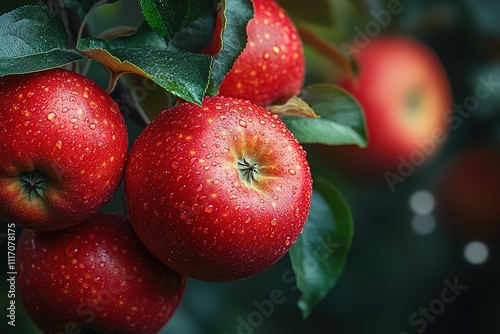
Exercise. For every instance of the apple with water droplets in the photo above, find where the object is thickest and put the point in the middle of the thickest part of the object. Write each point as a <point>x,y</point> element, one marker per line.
<point>271,68</point>
<point>63,143</point>
<point>97,275</point>
<point>218,192</point>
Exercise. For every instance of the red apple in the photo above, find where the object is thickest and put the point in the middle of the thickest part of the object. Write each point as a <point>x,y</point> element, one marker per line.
<point>96,275</point>
<point>218,192</point>
<point>271,67</point>
<point>468,193</point>
<point>63,144</point>
<point>406,96</point>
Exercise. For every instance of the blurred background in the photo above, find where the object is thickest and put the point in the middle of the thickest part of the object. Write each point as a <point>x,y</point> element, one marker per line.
<point>437,230</point>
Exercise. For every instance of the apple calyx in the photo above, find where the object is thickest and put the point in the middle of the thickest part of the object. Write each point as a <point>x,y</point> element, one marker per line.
<point>34,183</point>
<point>248,170</point>
<point>414,101</point>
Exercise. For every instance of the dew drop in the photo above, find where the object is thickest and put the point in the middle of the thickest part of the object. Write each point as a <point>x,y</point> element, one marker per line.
<point>59,144</point>
<point>51,116</point>
<point>233,196</point>
<point>209,209</point>
<point>292,171</point>
<point>71,250</point>
<point>242,123</point>
<point>102,264</point>
<point>92,126</point>
<point>73,120</point>
<point>199,188</point>
<point>274,221</point>
<point>174,165</point>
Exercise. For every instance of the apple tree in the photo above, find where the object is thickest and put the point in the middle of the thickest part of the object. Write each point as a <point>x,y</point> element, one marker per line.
<point>185,52</point>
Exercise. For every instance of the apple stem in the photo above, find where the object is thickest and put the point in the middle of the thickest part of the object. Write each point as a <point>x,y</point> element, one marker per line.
<point>248,170</point>
<point>327,49</point>
<point>34,183</point>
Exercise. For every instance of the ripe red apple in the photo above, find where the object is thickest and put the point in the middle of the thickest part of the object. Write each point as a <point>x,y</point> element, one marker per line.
<point>406,96</point>
<point>271,67</point>
<point>63,144</point>
<point>468,193</point>
<point>96,275</point>
<point>218,192</point>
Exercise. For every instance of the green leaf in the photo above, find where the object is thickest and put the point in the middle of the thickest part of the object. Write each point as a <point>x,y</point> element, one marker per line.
<point>341,119</point>
<point>185,25</point>
<point>236,14</point>
<point>319,255</point>
<point>183,74</point>
<point>82,7</point>
<point>33,39</point>
<point>198,29</point>
<point>166,17</point>
<point>302,12</point>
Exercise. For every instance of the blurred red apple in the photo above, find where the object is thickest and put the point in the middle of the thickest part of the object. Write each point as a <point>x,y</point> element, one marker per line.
<point>406,97</point>
<point>468,193</point>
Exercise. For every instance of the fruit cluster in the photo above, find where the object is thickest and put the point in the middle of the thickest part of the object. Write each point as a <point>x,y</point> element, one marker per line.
<point>216,192</point>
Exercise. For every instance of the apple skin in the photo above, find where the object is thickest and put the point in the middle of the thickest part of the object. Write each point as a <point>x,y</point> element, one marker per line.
<point>271,68</point>
<point>96,275</point>
<point>64,145</point>
<point>467,193</point>
<point>406,97</point>
<point>218,192</point>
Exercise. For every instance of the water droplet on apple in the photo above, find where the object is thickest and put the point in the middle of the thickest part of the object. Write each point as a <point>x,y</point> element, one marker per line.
<point>102,264</point>
<point>242,123</point>
<point>292,171</point>
<point>92,126</point>
<point>233,196</point>
<point>209,209</point>
<point>71,250</point>
<point>287,242</point>
<point>274,221</point>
